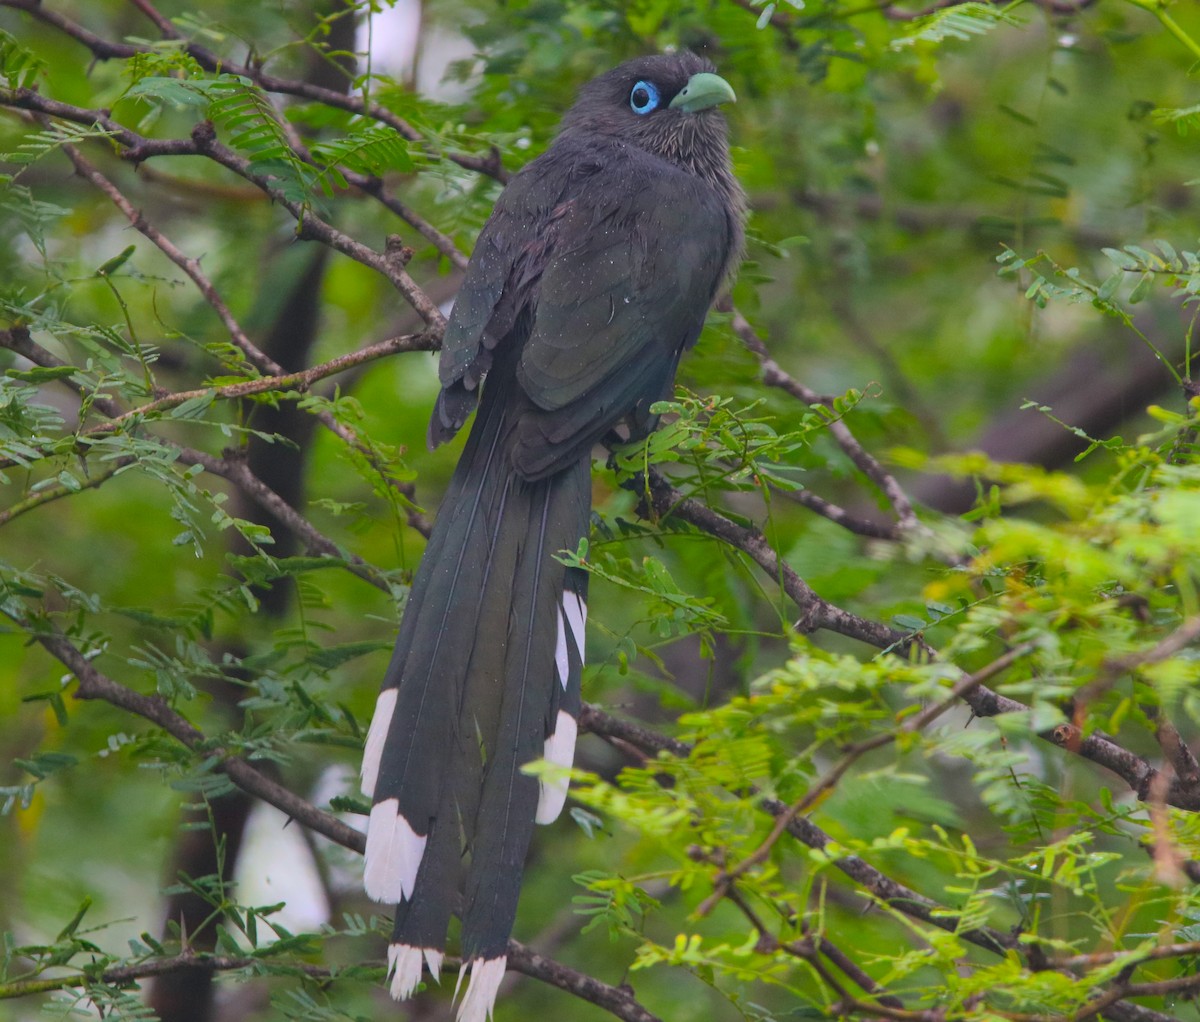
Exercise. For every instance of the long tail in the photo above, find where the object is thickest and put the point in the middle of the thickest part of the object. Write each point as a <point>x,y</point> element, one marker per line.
<point>485,677</point>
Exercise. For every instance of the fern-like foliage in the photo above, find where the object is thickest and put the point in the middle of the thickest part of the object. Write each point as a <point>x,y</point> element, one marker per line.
<point>26,424</point>
<point>38,144</point>
<point>33,215</point>
<point>252,126</point>
<point>962,22</point>
<point>243,111</point>
<point>19,67</point>
<point>372,150</point>
<point>1184,119</point>
<point>168,59</point>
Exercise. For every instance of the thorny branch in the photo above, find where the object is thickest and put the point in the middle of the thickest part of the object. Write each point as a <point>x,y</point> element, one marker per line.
<point>390,265</point>
<point>297,381</point>
<point>618,1001</point>
<point>93,684</point>
<point>662,499</point>
<point>850,756</point>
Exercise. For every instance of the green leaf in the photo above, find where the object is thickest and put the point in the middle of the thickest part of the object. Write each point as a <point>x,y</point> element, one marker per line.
<point>961,22</point>
<point>116,262</point>
<point>41,374</point>
<point>19,67</point>
<point>1141,289</point>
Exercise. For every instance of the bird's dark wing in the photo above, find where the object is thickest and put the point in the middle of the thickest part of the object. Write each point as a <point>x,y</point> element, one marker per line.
<point>631,273</point>
<point>504,269</point>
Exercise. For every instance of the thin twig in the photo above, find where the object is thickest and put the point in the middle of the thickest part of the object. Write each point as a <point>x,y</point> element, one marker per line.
<point>374,187</point>
<point>1111,670</point>
<point>774,376</point>
<point>231,467</point>
<point>617,1001</point>
<point>50,494</point>
<point>18,339</point>
<point>886,890</point>
<point>815,613</point>
<point>851,969</point>
<point>234,468</point>
<point>596,721</point>
<point>1098,747</point>
<point>891,892</point>
<point>86,169</point>
<point>368,184</point>
<point>840,516</point>
<point>297,381</point>
<point>1135,957</point>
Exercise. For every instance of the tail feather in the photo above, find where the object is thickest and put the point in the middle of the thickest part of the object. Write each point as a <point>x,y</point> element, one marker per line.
<point>381,722</point>
<point>404,968</point>
<point>485,678</point>
<point>554,513</point>
<point>430,661</point>
<point>562,717</point>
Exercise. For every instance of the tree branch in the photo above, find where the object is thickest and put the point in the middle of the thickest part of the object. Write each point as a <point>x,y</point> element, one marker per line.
<point>203,142</point>
<point>17,339</point>
<point>301,381</point>
<point>191,267</point>
<point>95,685</point>
<point>851,756</point>
<point>234,468</point>
<point>774,376</point>
<point>617,1001</point>
<point>840,516</point>
<point>103,49</point>
<point>1098,747</point>
<point>815,613</point>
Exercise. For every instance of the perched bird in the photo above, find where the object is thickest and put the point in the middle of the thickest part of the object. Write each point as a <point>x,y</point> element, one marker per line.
<point>592,276</point>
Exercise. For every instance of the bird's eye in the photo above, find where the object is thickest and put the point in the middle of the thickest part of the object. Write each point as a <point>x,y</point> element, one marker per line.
<point>643,98</point>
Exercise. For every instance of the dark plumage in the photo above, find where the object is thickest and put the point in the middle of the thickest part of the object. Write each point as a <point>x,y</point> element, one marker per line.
<point>592,276</point>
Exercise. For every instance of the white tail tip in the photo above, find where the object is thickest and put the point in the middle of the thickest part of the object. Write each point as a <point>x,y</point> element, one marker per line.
<point>433,962</point>
<point>484,982</point>
<point>404,968</point>
<point>576,613</point>
<point>394,852</point>
<point>561,661</point>
<point>560,750</point>
<point>381,723</point>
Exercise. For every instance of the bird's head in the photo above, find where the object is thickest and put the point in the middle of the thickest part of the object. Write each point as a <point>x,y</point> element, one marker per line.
<point>667,104</point>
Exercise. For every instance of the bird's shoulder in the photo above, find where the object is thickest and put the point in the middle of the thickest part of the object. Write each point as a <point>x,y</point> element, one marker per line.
<point>602,173</point>
<point>587,215</point>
